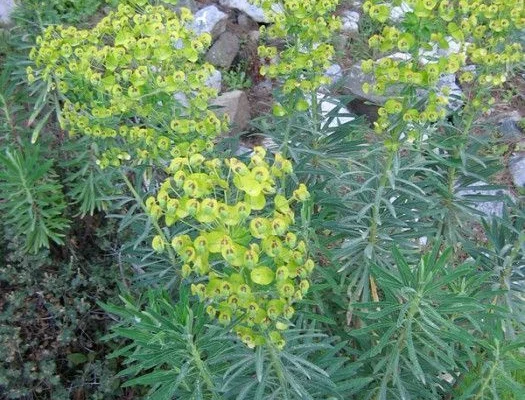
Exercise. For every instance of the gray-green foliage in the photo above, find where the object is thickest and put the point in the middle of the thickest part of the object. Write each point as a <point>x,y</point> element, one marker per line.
<point>407,302</point>
<point>423,322</point>
<point>176,353</point>
<point>33,202</point>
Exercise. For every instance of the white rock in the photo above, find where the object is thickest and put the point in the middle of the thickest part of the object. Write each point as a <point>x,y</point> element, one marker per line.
<point>517,170</point>
<point>182,99</point>
<point>426,56</point>
<point>398,13</point>
<point>269,144</point>
<point>334,113</point>
<point>455,94</point>
<point>243,150</point>
<point>350,20</point>
<point>215,80</point>
<point>487,208</point>
<point>6,8</point>
<point>334,72</point>
<point>209,20</point>
<point>256,13</point>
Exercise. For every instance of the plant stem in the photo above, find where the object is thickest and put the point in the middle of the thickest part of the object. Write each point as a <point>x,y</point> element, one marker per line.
<point>278,367</point>
<point>489,377</point>
<point>372,238</point>
<point>201,367</point>
<point>452,171</point>
<point>154,222</point>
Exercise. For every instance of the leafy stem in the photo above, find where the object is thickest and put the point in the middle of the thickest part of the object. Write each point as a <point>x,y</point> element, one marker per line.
<point>379,193</point>
<point>278,367</point>
<point>490,375</point>
<point>160,232</point>
<point>201,367</point>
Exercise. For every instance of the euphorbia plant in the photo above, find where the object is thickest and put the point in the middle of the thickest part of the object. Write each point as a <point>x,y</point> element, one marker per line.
<point>437,38</point>
<point>306,29</point>
<point>134,82</point>
<point>242,239</point>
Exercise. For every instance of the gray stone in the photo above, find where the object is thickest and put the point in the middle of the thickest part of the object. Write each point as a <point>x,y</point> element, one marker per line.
<point>517,170</point>
<point>190,4</point>
<point>436,53</point>
<point>350,20</point>
<point>181,99</point>
<point>254,36</point>
<point>353,81</point>
<point>455,94</point>
<point>334,72</point>
<point>263,89</point>
<point>246,22</point>
<point>397,13</point>
<point>493,207</point>
<point>215,80</point>
<point>509,129</point>
<point>353,84</point>
<point>243,150</point>
<point>222,53</point>
<point>255,13</point>
<point>210,20</point>
<point>235,104</point>
<point>6,8</point>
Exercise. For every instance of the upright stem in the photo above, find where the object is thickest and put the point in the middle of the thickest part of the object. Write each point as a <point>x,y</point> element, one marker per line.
<point>452,171</point>
<point>155,224</point>
<point>372,238</point>
<point>203,370</point>
<point>278,367</point>
<point>490,375</point>
<point>315,111</point>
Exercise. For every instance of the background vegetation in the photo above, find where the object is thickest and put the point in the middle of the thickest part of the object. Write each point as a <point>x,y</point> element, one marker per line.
<point>415,294</point>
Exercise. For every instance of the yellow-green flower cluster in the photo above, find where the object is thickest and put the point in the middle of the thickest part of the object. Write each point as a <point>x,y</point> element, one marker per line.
<point>134,78</point>
<point>244,245</point>
<point>306,29</point>
<point>441,37</point>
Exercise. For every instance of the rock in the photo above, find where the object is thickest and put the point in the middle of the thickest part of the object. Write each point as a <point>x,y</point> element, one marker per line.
<point>492,207</point>
<point>190,4</point>
<point>397,14</point>
<point>222,53</point>
<point>434,54</point>
<point>215,80</point>
<point>246,22</point>
<point>350,20</point>
<point>333,112</point>
<point>509,115</point>
<point>235,104</point>
<point>210,20</point>
<point>517,170</point>
<point>455,94</point>
<point>353,84</point>
<point>6,8</point>
<point>263,88</point>
<point>243,150</point>
<point>254,12</point>
<point>509,129</point>
<point>334,72</point>
<point>254,36</point>
<point>181,99</point>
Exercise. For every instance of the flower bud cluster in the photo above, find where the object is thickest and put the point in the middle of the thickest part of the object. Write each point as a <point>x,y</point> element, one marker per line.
<point>248,264</point>
<point>307,27</point>
<point>133,81</point>
<point>440,37</point>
